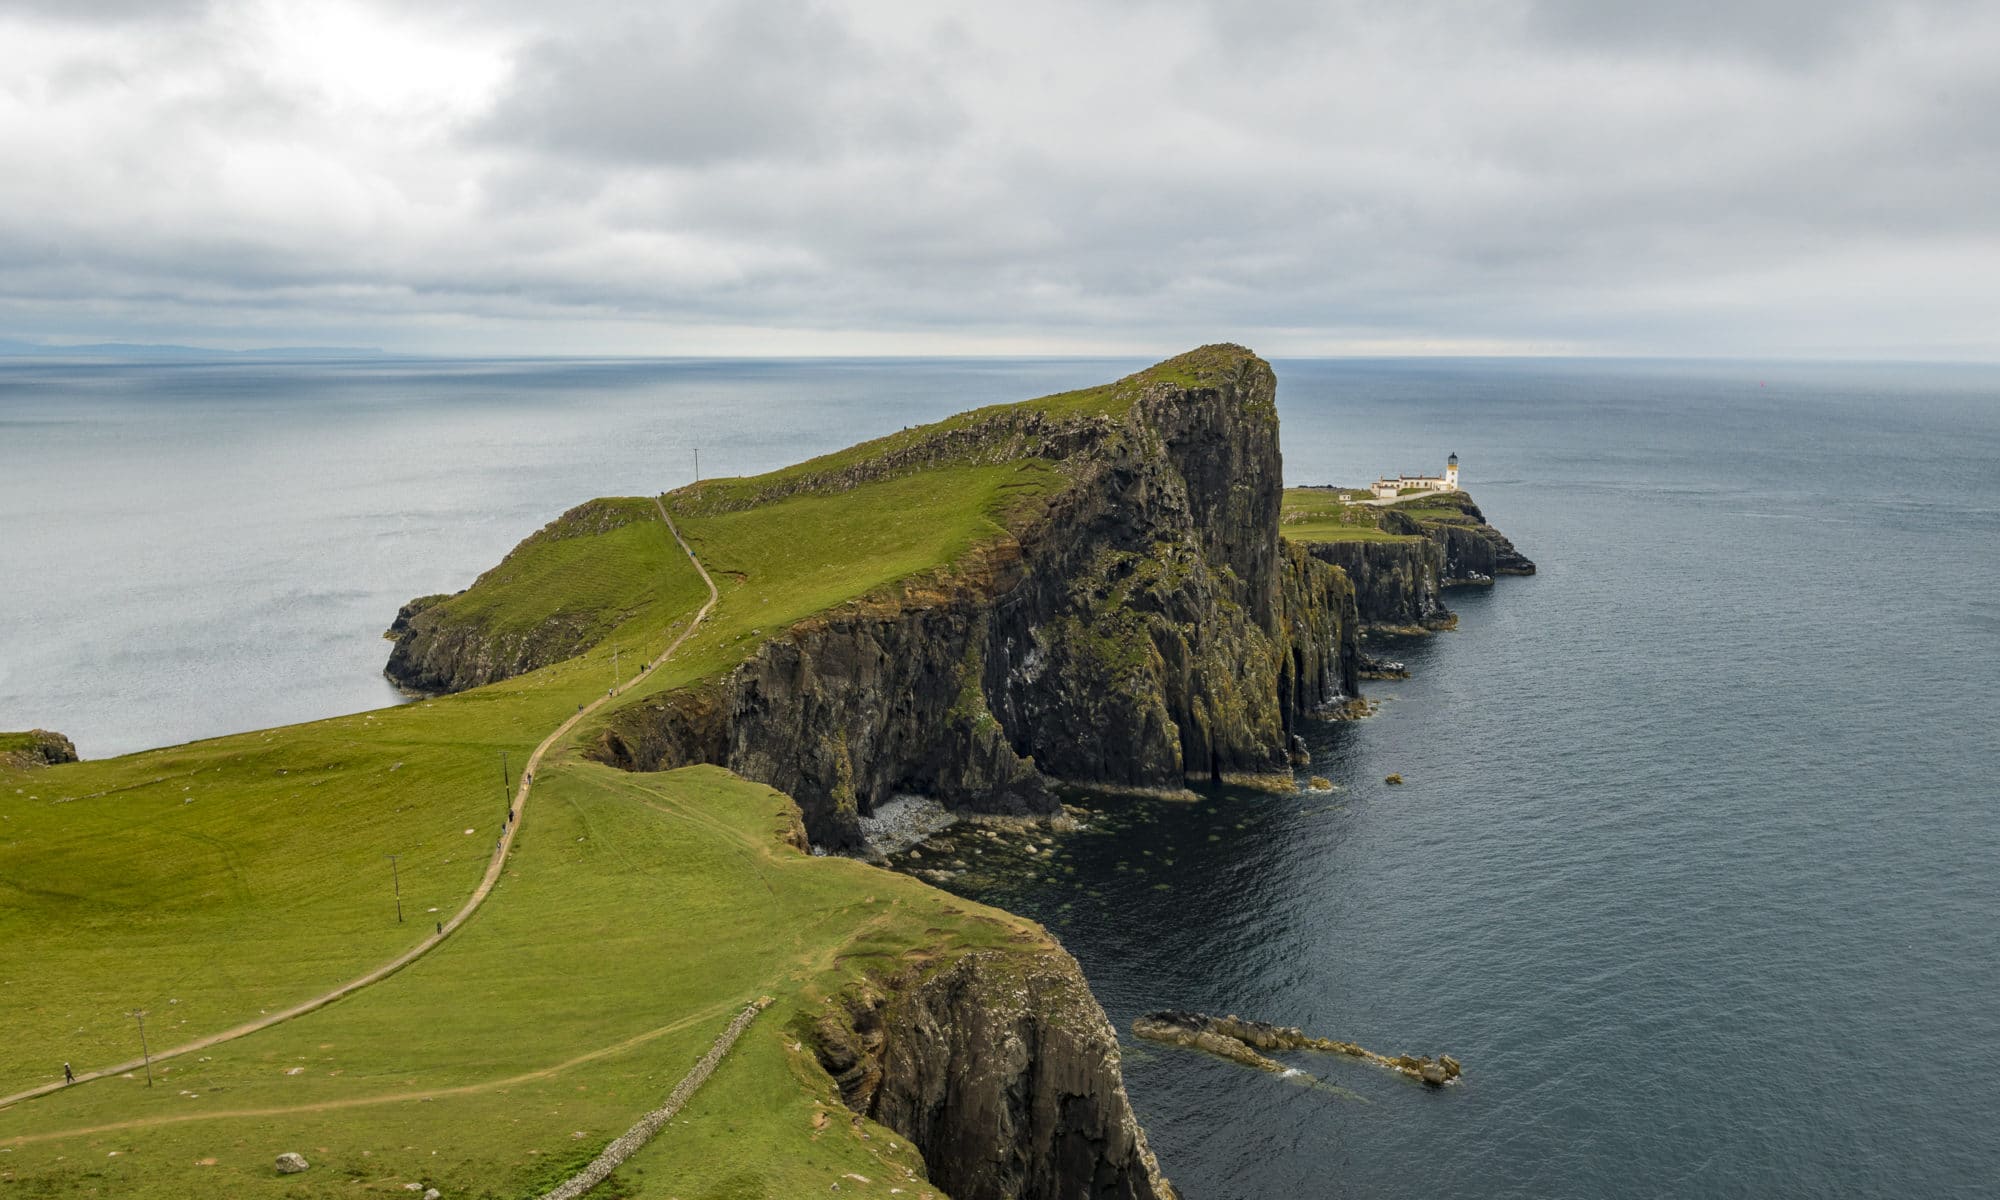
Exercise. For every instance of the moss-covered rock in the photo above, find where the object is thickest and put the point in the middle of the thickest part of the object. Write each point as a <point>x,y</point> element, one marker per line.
<point>35,748</point>
<point>1001,1068</point>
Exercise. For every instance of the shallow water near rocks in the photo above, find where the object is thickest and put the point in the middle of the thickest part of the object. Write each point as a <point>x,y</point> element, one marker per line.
<point>1696,866</point>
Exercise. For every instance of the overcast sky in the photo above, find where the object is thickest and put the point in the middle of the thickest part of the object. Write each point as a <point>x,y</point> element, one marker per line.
<point>1702,177</point>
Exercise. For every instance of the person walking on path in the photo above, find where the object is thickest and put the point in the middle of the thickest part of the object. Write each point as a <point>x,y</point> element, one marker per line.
<point>69,1076</point>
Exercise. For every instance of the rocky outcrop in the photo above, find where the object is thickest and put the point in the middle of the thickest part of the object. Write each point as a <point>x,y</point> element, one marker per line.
<point>1143,627</point>
<point>1397,584</point>
<point>1234,1038</point>
<point>454,641</point>
<point>1473,552</point>
<point>1001,1068</point>
<point>35,748</point>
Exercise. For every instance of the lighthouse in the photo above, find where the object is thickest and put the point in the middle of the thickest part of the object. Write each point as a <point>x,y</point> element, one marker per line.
<point>1451,473</point>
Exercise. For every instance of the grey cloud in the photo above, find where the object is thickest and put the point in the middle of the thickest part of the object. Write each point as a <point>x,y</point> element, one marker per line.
<point>1113,171</point>
<point>103,11</point>
<point>746,81</point>
<point>1781,30</point>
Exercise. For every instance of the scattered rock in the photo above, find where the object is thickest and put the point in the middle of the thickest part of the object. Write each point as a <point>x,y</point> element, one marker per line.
<point>291,1164</point>
<point>431,1194</point>
<point>1234,1038</point>
<point>1393,779</point>
<point>1320,783</point>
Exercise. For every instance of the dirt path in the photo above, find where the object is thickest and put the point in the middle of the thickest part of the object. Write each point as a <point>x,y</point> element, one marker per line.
<point>472,903</point>
<point>319,1106</point>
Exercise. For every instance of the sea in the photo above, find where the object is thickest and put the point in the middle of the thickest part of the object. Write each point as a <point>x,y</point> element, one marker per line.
<point>1696,864</point>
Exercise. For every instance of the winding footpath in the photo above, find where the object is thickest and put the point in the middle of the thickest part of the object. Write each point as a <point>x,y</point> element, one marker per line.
<point>479,894</point>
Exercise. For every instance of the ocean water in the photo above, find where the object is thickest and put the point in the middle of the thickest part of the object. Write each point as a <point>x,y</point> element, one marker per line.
<point>1697,868</point>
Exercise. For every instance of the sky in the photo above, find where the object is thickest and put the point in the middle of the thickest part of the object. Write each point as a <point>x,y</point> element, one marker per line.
<point>1764,178</point>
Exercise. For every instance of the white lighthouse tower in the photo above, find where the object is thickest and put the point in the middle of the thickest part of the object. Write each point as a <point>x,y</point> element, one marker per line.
<point>1451,473</point>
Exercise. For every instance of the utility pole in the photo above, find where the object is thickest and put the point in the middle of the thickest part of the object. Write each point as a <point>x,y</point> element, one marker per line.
<point>396,878</point>
<point>139,1015</point>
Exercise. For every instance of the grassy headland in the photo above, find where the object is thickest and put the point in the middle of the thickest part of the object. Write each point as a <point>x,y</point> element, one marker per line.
<point>210,882</point>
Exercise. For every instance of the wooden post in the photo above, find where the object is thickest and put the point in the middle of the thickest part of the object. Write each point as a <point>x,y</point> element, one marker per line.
<point>396,878</point>
<point>139,1015</point>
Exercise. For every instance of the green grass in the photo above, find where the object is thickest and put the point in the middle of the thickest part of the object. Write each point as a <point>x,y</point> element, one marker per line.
<point>981,436</point>
<point>210,882</point>
<point>597,567</point>
<point>11,743</point>
<point>1332,515</point>
<point>640,914</point>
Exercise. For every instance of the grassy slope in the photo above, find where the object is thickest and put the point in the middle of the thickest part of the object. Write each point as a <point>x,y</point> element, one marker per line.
<point>1327,515</point>
<point>211,881</point>
<point>641,913</point>
<point>264,889</point>
<point>598,567</point>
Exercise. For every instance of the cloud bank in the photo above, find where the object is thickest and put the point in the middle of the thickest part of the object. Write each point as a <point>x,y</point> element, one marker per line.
<point>1734,177</point>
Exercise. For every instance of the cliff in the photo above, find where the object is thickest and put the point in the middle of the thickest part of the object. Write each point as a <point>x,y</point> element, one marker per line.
<point>1473,551</point>
<point>1139,625</point>
<point>1401,557</point>
<point>1398,583</point>
<point>1001,1068</point>
<point>557,594</point>
<point>35,748</point>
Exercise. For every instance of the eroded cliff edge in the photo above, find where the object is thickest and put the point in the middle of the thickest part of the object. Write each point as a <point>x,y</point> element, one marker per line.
<point>1401,558</point>
<point>1001,1068</point>
<point>1140,626</point>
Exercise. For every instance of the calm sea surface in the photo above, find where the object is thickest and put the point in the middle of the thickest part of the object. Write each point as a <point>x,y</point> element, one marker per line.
<point>1697,868</point>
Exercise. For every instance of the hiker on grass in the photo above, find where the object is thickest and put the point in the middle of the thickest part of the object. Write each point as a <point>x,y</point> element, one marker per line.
<point>69,1076</point>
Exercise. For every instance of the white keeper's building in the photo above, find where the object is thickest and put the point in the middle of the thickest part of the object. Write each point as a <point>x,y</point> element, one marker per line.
<point>1386,487</point>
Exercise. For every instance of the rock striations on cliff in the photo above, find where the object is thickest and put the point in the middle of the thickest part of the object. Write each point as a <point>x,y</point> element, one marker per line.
<point>1001,1068</point>
<point>1142,625</point>
<point>1402,557</point>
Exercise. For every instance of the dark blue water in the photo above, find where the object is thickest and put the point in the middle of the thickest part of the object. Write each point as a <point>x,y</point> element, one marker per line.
<point>1697,867</point>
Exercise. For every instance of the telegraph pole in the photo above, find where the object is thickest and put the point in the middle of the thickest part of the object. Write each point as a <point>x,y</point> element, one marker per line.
<point>139,1015</point>
<point>396,878</point>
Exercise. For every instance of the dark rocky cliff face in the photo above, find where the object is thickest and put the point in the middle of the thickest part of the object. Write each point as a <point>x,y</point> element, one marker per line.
<point>1001,1068</point>
<point>1474,552</point>
<point>1144,628</point>
<point>1397,585</point>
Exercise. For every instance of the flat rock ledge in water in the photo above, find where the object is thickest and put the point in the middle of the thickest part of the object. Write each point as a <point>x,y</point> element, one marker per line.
<point>1239,1040</point>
